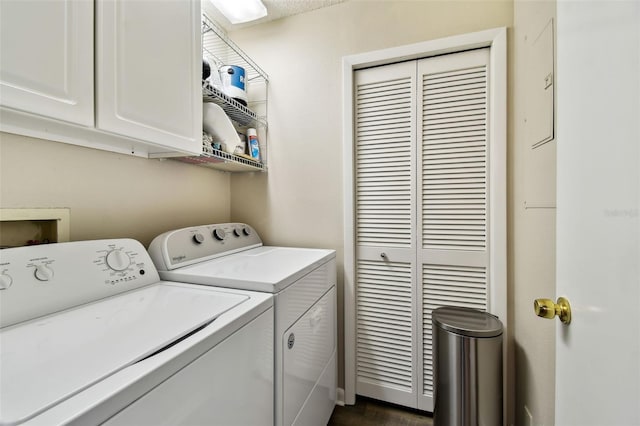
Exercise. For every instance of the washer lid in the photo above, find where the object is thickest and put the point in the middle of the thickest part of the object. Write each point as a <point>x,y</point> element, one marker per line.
<point>467,322</point>
<point>49,359</point>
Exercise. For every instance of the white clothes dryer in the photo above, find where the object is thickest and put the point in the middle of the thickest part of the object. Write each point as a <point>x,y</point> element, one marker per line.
<point>90,335</point>
<point>303,282</point>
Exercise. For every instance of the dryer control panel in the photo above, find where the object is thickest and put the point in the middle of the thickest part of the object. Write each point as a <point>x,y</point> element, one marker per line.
<point>187,246</point>
<point>39,280</point>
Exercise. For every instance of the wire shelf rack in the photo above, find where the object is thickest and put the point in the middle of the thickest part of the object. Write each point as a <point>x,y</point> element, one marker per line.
<point>234,109</point>
<point>224,161</point>
<point>219,50</point>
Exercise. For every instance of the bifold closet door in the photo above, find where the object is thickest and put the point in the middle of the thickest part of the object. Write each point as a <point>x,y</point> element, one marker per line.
<point>385,168</point>
<point>421,196</point>
<point>453,198</point>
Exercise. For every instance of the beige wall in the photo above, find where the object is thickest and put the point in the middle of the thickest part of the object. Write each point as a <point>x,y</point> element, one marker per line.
<point>532,231</point>
<point>109,195</point>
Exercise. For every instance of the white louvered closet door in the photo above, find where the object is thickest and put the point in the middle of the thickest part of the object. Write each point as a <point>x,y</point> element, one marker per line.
<point>421,214</point>
<point>385,202</point>
<point>453,196</point>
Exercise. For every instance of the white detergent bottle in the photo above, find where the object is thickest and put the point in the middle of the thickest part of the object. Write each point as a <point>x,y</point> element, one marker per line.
<point>254,146</point>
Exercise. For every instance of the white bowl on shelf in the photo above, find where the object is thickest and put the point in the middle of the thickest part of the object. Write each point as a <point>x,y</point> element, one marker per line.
<point>216,123</point>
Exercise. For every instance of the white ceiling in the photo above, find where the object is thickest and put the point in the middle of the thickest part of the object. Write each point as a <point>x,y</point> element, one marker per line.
<point>276,9</point>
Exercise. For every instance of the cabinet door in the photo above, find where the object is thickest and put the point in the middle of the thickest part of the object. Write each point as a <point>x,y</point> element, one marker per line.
<point>47,58</point>
<point>148,71</point>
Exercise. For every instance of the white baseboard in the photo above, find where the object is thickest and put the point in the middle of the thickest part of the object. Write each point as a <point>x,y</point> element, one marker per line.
<point>340,397</point>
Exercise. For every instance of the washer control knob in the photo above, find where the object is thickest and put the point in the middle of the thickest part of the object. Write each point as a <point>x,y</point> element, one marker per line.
<point>219,234</point>
<point>43,273</point>
<point>5,281</point>
<point>198,238</point>
<point>246,230</point>
<point>237,232</point>
<point>118,260</point>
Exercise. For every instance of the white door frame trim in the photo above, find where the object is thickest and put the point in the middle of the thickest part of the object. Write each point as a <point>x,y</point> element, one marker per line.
<point>496,39</point>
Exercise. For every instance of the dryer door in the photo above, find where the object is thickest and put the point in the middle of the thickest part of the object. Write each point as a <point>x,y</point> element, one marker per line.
<point>308,347</point>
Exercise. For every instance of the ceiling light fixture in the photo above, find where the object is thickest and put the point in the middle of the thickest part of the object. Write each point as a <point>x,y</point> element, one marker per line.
<point>240,11</point>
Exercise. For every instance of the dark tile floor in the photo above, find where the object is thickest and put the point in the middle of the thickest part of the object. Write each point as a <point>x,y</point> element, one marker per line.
<point>370,412</point>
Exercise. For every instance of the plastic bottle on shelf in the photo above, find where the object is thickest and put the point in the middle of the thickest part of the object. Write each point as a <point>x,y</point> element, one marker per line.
<point>254,146</point>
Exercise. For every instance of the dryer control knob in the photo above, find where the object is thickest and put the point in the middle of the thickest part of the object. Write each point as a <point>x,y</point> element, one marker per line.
<point>43,273</point>
<point>219,234</point>
<point>118,260</point>
<point>5,281</point>
<point>237,232</point>
<point>246,230</point>
<point>198,238</point>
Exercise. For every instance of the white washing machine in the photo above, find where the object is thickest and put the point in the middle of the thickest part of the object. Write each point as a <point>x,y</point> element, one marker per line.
<point>90,335</point>
<point>303,282</point>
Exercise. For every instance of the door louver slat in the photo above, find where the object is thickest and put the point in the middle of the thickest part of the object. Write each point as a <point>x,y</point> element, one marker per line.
<point>384,338</point>
<point>382,356</point>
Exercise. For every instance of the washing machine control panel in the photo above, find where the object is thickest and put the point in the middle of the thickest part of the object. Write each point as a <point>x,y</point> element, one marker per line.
<point>186,246</point>
<point>39,280</point>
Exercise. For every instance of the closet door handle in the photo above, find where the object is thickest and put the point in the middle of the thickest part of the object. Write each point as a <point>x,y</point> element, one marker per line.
<point>383,255</point>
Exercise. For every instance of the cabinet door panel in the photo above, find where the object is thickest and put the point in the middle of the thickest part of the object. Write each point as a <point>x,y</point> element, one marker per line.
<point>148,59</point>
<point>47,58</point>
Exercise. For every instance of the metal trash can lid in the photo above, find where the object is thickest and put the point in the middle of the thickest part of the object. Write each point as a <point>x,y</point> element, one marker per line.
<point>467,322</point>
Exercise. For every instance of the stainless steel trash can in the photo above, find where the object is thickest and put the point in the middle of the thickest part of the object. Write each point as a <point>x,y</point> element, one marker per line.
<point>467,367</point>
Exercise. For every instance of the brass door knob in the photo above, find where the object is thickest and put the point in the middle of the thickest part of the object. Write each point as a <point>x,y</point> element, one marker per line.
<point>545,308</point>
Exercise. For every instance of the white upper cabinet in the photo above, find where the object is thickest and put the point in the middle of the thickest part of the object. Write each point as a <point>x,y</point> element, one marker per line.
<point>146,81</point>
<point>148,69</point>
<point>46,64</point>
